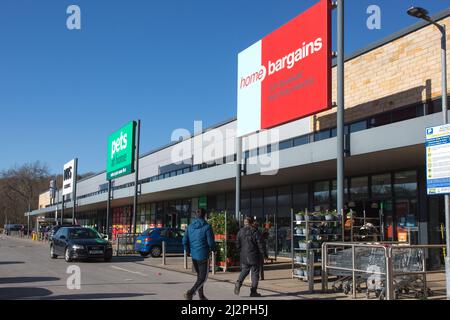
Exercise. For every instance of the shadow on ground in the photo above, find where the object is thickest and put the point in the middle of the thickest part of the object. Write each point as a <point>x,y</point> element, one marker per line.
<point>10,262</point>
<point>95,296</point>
<point>23,293</point>
<point>27,279</point>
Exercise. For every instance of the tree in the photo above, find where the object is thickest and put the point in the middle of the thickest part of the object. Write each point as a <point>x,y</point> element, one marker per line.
<point>20,188</point>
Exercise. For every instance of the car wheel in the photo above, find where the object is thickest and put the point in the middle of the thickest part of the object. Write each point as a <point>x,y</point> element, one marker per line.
<point>52,253</point>
<point>144,254</point>
<point>155,251</point>
<point>108,256</point>
<point>67,256</point>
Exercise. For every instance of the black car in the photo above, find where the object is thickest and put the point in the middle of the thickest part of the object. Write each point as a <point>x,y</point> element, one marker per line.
<point>55,229</point>
<point>78,243</point>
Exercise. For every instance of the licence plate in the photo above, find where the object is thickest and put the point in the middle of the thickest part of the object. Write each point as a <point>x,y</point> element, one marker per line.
<point>138,241</point>
<point>96,252</point>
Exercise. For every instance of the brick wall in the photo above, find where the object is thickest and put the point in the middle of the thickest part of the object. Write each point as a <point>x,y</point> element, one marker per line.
<point>404,71</point>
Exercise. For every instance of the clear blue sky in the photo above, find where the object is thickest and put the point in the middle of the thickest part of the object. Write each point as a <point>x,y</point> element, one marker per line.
<point>166,62</point>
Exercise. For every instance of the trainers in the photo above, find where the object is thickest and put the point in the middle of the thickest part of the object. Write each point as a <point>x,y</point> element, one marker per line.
<point>254,294</point>
<point>201,295</point>
<point>188,295</point>
<point>237,288</point>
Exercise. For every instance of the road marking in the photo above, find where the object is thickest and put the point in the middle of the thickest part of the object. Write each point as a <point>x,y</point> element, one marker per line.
<point>135,272</point>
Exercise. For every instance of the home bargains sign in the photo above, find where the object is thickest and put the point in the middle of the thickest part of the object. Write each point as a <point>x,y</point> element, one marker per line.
<point>121,146</point>
<point>286,75</point>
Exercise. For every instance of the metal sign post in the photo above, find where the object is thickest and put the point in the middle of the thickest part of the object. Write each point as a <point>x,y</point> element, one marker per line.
<point>108,212</point>
<point>238,178</point>
<point>74,192</point>
<point>136,174</point>
<point>340,106</point>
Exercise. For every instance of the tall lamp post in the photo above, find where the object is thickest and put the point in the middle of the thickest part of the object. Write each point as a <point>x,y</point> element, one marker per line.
<point>422,13</point>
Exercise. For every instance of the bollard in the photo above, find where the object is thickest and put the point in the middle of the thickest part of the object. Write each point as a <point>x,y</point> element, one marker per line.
<point>185,260</point>
<point>163,253</point>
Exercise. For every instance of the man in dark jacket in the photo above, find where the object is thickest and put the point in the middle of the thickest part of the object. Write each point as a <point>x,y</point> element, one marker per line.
<point>198,241</point>
<point>251,248</point>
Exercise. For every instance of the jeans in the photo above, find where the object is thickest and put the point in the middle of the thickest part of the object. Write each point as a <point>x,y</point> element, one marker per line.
<point>201,268</point>
<point>245,270</point>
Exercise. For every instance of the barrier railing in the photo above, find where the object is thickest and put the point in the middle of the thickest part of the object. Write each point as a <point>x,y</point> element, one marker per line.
<point>124,243</point>
<point>386,269</point>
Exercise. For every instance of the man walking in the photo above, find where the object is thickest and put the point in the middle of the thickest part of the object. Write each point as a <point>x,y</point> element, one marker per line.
<point>251,248</point>
<point>198,241</point>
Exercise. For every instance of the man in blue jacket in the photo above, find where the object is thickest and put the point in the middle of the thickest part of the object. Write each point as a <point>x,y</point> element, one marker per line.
<point>198,241</point>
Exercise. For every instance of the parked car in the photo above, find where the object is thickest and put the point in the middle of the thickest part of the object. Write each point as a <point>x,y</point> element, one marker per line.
<point>150,241</point>
<point>78,243</point>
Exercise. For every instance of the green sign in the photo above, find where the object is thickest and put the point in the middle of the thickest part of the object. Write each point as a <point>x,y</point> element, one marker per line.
<point>202,202</point>
<point>121,152</point>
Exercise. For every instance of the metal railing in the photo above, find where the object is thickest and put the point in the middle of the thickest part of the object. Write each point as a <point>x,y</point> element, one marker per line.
<point>387,269</point>
<point>124,243</point>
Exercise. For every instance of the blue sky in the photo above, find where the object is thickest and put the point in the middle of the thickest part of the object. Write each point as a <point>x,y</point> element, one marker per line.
<point>167,63</point>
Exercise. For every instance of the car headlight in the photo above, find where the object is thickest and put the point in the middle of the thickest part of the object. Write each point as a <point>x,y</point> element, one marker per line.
<point>78,247</point>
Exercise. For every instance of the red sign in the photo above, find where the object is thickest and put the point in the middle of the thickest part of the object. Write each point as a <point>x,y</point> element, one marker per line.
<point>286,75</point>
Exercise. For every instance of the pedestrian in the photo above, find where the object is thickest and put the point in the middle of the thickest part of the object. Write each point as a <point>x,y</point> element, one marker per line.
<point>198,241</point>
<point>251,248</point>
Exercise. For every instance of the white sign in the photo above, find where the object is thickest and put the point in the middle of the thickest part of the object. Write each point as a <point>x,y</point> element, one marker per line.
<point>69,177</point>
<point>438,160</point>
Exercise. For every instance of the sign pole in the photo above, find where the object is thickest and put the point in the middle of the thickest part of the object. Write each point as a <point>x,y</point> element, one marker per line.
<point>443,30</point>
<point>238,178</point>
<point>108,212</point>
<point>74,192</point>
<point>62,209</point>
<point>136,174</point>
<point>340,106</point>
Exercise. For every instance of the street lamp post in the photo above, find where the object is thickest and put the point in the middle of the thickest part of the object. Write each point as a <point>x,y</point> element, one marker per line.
<point>422,13</point>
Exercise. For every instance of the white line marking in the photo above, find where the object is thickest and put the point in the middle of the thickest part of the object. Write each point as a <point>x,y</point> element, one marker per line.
<point>135,272</point>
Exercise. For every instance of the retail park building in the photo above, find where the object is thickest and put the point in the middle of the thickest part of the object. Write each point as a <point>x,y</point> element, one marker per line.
<point>392,93</point>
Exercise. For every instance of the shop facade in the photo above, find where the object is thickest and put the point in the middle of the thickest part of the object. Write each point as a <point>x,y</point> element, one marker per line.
<point>392,95</point>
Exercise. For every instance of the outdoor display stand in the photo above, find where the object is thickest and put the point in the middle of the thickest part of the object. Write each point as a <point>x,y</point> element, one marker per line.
<point>309,231</point>
<point>225,228</point>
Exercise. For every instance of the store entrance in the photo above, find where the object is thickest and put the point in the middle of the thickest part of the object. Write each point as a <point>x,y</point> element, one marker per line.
<point>364,221</point>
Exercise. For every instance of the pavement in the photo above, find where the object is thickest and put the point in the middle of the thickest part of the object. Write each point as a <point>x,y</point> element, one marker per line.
<point>27,272</point>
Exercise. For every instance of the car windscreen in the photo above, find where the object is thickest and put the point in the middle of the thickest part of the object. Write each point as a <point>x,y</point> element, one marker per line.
<point>83,234</point>
<point>148,232</point>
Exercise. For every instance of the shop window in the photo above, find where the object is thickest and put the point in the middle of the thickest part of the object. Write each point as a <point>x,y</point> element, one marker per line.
<point>284,197</point>
<point>257,203</point>
<point>300,197</point>
<point>245,203</point>
<point>231,202</point>
<point>322,195</point>
<point>334,132</point>
<point>334,193</point>
<point>358,126</point>
<point>359,189</point>
<point>299,141</point>
<point>405,184</point>
<point>221,202</point>
<point>322,135</point>
<point>286,144</point>
<point>381,187</point>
